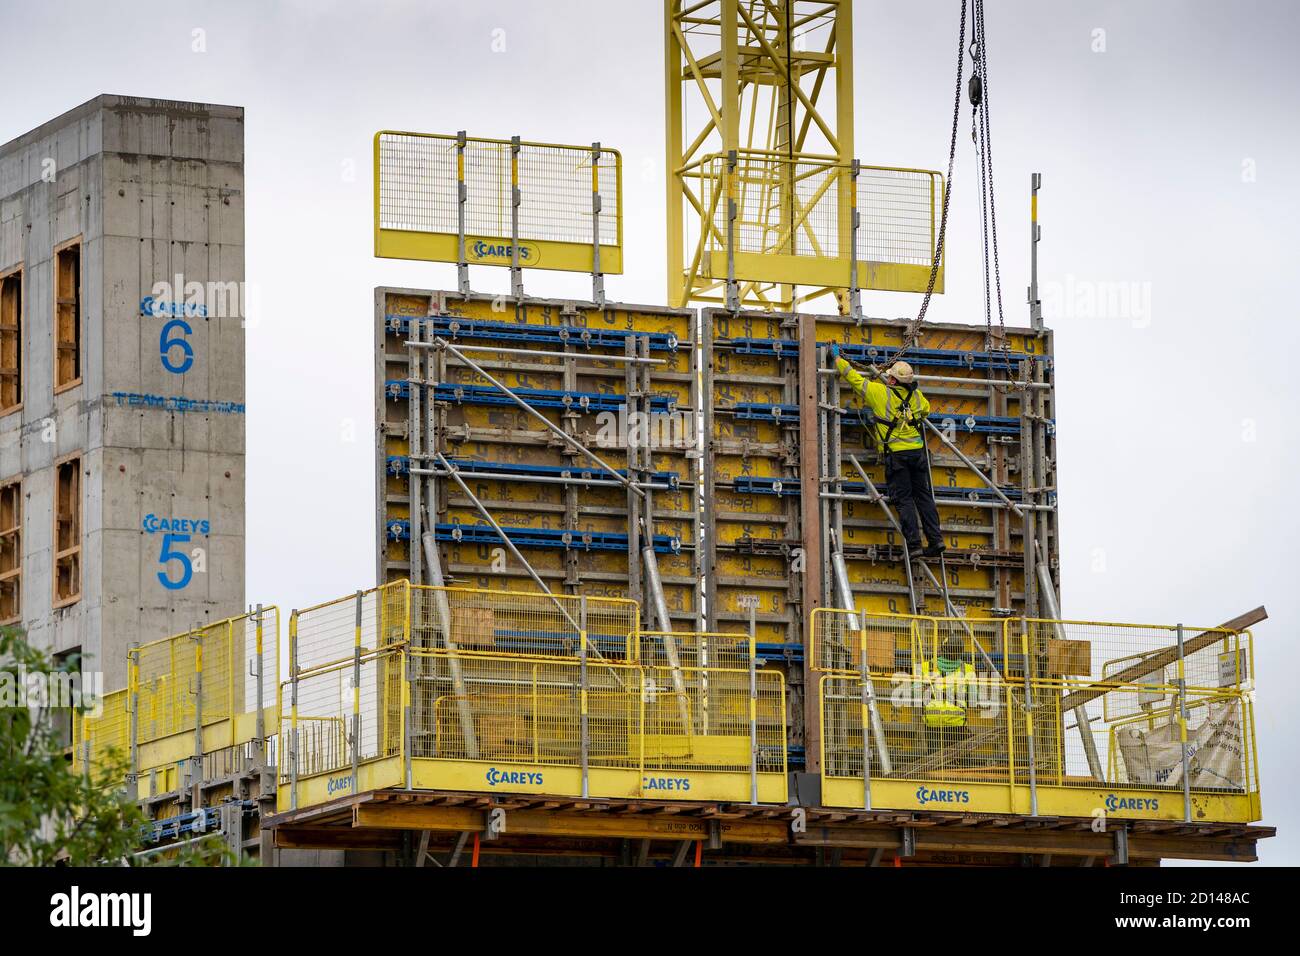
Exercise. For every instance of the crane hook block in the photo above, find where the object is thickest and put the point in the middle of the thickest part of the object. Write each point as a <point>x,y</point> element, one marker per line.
<point>976,90</point>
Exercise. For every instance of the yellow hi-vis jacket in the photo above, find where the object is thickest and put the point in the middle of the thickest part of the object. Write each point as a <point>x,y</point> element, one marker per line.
<point>891,407</point>
<point>947,695</point>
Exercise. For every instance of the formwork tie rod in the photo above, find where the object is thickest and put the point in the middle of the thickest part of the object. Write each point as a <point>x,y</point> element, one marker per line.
<point>580,356</point>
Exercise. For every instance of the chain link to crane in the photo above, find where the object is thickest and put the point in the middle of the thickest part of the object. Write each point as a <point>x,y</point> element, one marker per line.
<point>914,327</point>
<point>981,136</point>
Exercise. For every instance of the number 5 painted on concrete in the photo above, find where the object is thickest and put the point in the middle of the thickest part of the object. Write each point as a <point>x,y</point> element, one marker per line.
<point>165,346</point>
<point>169,555</point>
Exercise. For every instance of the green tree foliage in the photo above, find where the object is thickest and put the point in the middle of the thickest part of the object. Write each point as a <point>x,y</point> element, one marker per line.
<point>50,815</point>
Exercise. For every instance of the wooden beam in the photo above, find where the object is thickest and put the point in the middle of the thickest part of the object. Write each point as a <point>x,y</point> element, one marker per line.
<point>548,823</point>
<point>335,838</point>
<point>1083,844</point>
<point>1136,672</point>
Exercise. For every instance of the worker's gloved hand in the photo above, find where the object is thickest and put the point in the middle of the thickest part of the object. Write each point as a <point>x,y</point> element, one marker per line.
<point>835,352</point>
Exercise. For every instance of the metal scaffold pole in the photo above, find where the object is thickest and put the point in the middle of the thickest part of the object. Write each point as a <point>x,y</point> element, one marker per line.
<point>844,592</point>
<point>442,627</point>
<point>654,584</point>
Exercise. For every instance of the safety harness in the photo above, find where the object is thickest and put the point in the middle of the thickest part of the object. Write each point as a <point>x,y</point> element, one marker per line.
<point>893,423</point>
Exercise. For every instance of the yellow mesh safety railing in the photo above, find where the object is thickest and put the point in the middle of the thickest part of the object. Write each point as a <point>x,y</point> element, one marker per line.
<point>101,741</point>
<point>165,678</point>
<point>802,207</point>
<point>522,623</point>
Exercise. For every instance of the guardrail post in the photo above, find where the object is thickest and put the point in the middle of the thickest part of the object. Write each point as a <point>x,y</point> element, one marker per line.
<point>356,689</point>
<point>584,742</point>
<point>233,672</point>
<point>260,672</point>
<point>1029,720</point>
<point>753,708</point>
<point>462,197</point>
<point>1182,729</point>
<point>407,664</point>
<point>197,637</point>
<point>865,677</point>
<point>516,199</point>
<point>855,294</point>
<point>597,277</point>
<point>293,709</point>
<point>133,682</point>
<point>733,293</point>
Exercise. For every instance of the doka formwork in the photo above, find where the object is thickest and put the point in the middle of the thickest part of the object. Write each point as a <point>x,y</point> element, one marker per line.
<point>644,359</point>
<point>774,407</point>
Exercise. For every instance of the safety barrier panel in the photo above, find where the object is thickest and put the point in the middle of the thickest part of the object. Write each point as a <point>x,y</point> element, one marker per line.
<point>441,198</point>
<point>1065,718</point>
<point>769,218</point>
<point>187,695</point>
<point>602,711</point>
<point>101,741</point>
<point>528,624</point>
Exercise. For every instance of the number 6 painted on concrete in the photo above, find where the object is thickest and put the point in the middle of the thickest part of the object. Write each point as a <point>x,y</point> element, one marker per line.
<point>165,346</point>
<point>169,555</point>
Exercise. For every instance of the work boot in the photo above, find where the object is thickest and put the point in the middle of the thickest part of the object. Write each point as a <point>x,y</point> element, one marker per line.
<point>914,551</point>
<point>934,551</point>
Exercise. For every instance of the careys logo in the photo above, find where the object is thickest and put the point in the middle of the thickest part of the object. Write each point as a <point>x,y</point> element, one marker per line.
<point>338,785</point>
<point>497,778</point>
<point>500,253</point>
<point>925,795</point>
<point>681,784</point>
<point>1114,802</point>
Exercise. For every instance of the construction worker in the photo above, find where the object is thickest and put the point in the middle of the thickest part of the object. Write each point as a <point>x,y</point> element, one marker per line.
<point>947,684</point>
<point>899,409</point>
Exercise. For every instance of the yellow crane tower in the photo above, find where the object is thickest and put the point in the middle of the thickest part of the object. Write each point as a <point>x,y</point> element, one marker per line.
<point>762,180</point>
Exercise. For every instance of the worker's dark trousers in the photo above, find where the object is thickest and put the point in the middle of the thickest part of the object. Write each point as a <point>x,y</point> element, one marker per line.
<point>908,481</point>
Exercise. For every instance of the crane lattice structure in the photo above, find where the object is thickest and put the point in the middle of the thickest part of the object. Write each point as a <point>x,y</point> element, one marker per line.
<point>762,181</point>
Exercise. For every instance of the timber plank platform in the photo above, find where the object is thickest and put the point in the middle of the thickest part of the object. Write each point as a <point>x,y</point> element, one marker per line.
<point>524,825</point>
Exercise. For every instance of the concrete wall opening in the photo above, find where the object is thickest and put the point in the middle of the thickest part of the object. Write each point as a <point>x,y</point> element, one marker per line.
<point>11,552</point>
<point>67,533</point>
<point>67,315</point>
<point>11,341</point>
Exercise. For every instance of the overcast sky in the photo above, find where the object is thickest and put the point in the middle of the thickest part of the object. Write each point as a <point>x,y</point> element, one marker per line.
<point>1169,165</point>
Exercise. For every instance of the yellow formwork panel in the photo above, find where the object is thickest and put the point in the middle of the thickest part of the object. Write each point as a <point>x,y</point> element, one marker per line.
<point>505,434</point>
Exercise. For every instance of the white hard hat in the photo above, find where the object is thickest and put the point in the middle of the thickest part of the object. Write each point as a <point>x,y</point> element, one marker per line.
<point>902,372</point>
